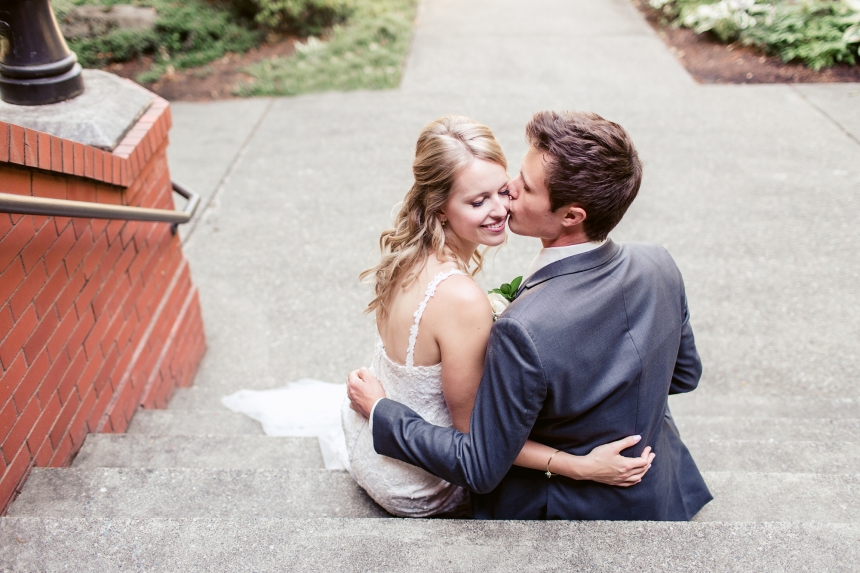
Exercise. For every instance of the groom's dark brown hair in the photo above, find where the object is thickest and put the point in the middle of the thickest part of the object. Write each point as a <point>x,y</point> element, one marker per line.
<point>591,163</point>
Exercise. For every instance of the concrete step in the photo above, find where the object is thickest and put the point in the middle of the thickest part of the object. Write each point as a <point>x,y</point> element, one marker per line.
<point>740,405</point>
<point>198,398</point>
<point>776,456</point>
<point>419,545</point>
<point>760,497</point>
<point>266,452</point>
<point>698,403</point>
<point>210,422</point>
<point>222,452</point>
<point>134,492</point>
<point>780,429</point>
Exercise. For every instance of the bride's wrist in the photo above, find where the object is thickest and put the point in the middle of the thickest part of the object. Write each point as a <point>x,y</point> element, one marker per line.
<point>577,467</point>
<point>585,467</point>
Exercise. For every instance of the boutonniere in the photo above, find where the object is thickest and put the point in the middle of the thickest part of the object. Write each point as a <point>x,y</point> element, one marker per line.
<point>501,297</point>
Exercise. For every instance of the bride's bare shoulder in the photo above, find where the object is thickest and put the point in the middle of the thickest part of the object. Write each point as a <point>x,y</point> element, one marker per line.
<point>459,293</point>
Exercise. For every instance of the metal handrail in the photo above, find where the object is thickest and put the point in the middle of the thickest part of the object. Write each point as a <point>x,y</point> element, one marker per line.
<point>26,205</point>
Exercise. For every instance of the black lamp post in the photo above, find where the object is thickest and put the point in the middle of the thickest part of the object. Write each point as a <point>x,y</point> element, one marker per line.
<point>36,66</point>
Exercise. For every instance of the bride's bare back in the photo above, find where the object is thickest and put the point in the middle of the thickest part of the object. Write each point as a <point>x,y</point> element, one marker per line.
<point>454,331</point>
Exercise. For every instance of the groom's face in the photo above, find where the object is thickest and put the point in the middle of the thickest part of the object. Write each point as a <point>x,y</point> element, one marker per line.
<point>530,206</point>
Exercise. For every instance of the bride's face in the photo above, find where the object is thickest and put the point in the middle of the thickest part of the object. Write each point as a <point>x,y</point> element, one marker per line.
<point>477,208</point>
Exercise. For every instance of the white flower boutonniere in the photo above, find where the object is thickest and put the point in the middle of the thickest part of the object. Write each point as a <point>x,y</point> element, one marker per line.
<point>501,297</point>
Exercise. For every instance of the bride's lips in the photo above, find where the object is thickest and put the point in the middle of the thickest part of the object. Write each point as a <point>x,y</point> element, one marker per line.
<point>497,227</point>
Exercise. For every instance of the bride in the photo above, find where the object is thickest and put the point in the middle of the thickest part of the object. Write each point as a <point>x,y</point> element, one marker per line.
<point>434,321</point>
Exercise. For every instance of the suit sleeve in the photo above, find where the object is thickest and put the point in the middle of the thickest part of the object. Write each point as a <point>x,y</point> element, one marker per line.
<point>511,393</point>
<point>688,365</point>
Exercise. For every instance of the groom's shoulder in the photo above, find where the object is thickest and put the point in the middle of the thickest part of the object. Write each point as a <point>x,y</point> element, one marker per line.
<point>645,249</point>
<point>650,254</point>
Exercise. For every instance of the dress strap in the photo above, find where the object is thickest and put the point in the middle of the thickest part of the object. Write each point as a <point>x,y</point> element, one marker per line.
<point>431,290</point>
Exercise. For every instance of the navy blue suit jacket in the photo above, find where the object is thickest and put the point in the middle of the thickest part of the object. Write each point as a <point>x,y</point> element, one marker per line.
<point>588,353</point>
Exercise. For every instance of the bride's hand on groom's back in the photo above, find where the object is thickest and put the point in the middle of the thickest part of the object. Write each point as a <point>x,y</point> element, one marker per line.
<point>363,390</point>
<point>608,466</point>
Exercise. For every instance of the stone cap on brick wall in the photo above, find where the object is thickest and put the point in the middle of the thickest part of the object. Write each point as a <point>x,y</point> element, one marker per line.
<point>99,117</point>
<point>23,145</point>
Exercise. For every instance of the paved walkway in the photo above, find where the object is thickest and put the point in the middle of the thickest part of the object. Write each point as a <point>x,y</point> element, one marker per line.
<point>754,190</point>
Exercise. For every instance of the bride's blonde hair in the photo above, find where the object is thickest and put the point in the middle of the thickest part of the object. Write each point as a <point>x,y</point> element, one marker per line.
<point>444,148</point>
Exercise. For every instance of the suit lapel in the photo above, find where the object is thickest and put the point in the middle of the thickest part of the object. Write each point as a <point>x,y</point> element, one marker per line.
<point>570,265</point>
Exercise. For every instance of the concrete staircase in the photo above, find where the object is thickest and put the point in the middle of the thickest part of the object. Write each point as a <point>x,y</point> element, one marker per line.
<point>204,490</point>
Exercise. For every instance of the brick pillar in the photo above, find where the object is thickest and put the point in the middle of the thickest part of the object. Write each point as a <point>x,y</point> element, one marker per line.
<point>97,317</point>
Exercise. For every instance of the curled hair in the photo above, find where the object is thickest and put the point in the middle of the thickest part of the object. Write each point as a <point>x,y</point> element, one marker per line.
<point>591,163</point>
<point>445,147</point>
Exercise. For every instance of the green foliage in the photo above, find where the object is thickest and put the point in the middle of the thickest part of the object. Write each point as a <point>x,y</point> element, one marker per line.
<point>365,47</point>
<point>819,33</point>
<point>508,290</point>
<point>302,17</point>
<point>813,32</point>
<point>188,33</point>
<point>365,53</point>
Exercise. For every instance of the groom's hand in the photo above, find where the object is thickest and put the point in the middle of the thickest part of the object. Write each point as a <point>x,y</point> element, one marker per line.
<point>363,390</point>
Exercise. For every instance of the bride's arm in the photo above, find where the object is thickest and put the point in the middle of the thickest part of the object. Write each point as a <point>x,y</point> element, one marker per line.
<point>603,464</point>
<point>460,322</point>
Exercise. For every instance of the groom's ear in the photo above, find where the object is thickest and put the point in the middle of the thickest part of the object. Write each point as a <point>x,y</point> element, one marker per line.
<point>573,215</point>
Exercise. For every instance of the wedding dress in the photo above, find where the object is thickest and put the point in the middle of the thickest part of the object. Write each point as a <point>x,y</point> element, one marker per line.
<point>403,489</point>
<point>314,408</point>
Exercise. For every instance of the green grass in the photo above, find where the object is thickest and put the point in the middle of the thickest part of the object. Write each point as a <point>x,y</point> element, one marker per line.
<point>819,33</point>
<point>366,52</point>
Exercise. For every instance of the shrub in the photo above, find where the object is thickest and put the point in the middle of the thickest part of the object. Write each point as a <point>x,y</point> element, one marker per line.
<point>302,17</point>
<point>820,33</point>
<point>186,34</point>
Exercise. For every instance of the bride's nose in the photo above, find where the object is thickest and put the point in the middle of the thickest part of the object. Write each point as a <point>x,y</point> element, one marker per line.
<point>501,206</point>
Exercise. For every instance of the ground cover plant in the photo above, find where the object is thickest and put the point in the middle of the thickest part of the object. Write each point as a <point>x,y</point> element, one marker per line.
<point>367,51</point>
<point>819,33</point>
<point>192,33</point>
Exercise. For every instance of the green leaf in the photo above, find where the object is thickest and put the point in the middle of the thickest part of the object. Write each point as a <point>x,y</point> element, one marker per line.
<point>505,288</point>
<point>515,284</point>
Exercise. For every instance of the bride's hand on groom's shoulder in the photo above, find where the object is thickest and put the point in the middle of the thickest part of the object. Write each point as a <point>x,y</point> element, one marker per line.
<point>608,466</point>
<point>363,390</point>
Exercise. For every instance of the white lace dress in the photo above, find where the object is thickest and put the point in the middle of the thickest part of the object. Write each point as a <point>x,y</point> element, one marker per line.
<point>400,488</point>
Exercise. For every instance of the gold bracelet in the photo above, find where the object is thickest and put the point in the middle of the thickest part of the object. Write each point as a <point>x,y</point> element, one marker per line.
<point>549,474</point>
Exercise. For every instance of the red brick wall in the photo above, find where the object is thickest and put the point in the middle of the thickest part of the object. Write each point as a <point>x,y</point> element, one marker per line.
<point>97,317</point>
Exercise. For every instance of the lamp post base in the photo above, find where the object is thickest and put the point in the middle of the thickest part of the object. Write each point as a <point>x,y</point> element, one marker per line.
<point>41,91</point>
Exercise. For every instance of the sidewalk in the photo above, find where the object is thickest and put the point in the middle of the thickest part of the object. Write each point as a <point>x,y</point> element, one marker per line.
<point>753,189</point>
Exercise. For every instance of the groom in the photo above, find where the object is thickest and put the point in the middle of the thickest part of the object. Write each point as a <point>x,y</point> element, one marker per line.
<point>588,352</point>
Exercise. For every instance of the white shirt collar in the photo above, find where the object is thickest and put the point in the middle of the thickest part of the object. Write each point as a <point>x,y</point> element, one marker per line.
<point>549,255</point>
